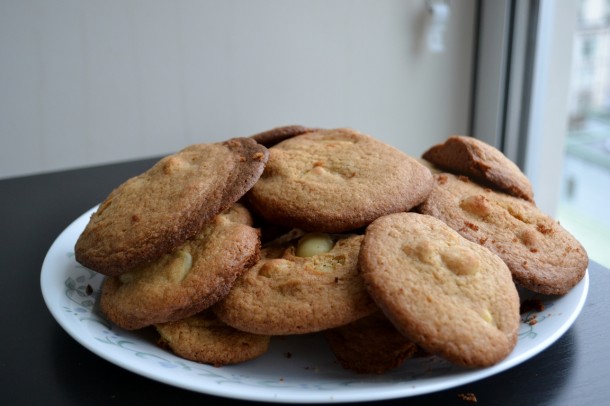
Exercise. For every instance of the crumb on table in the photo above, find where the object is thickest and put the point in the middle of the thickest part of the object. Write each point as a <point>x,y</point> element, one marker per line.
<point>468,397</point>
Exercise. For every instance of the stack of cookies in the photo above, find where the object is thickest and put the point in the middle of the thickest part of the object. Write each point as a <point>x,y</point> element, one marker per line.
<point>297,230</point>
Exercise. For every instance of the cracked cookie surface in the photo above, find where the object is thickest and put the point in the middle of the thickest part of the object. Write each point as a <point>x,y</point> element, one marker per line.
<point>370,345</point>
<point>152,213</point>
<point>288,294</point>
<point>188,280</point>
<point>203,338</point>
<point>448,295</point>
<point>478,160</point>
<point>336,181</point>
<point>542,255</point>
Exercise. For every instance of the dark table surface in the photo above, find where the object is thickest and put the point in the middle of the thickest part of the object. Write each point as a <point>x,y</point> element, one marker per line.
<point>41,364</point>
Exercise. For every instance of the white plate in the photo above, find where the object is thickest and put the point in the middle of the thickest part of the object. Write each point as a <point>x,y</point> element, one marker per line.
<point>297,369</point>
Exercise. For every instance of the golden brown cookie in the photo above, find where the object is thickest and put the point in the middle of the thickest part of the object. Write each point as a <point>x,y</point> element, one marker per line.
<point>337,181</point>
<point>285,293</point>
<point>542,255</point>
<point>450,296</point>
<point>370,345</point>
<point>271,137</point>
<point>482,162</point>
<point>151,214</point>
<point>186,281</point>
<point>203,338</point>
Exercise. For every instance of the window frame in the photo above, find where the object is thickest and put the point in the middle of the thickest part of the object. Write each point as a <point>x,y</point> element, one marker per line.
<point>521,87</point>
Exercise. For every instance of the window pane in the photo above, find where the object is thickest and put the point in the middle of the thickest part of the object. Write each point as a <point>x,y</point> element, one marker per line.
<point>585,198</point>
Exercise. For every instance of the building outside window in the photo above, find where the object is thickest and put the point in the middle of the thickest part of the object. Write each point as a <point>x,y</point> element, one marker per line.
<point>584,206</point>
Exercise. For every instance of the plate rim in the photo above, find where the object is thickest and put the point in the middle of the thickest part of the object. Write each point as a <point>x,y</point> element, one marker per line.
<point>356,395</point>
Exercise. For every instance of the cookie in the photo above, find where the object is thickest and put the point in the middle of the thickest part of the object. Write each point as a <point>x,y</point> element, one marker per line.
<point>285,293</point>
<point>152,213</point>
<point>431,167</point>
<point>205,339</point>
<point>542,255</point>
<point>189,279</point>
<point>336,181</point>
<point>271,137</point>
<point>370,345</point>
<point>450,296</point>
<point>482,162</point>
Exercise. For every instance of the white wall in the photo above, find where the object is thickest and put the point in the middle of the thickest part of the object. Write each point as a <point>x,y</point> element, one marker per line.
<point>84,82</point>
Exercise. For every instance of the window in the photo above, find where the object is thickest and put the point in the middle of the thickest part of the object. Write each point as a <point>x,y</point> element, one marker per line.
<point>585,188</point>
<point>542,95</point>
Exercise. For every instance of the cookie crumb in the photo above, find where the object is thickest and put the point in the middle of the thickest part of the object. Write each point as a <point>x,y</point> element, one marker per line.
<point>530,319</point>
<point>529,305</point>
<point>468,397</point>
<point>89,290</point>
<point>163,344</point>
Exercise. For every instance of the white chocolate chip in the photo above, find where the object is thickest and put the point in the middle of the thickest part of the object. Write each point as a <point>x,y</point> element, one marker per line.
<point>487,316</point>
<point>185,264</point>
<point>314,244</point>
